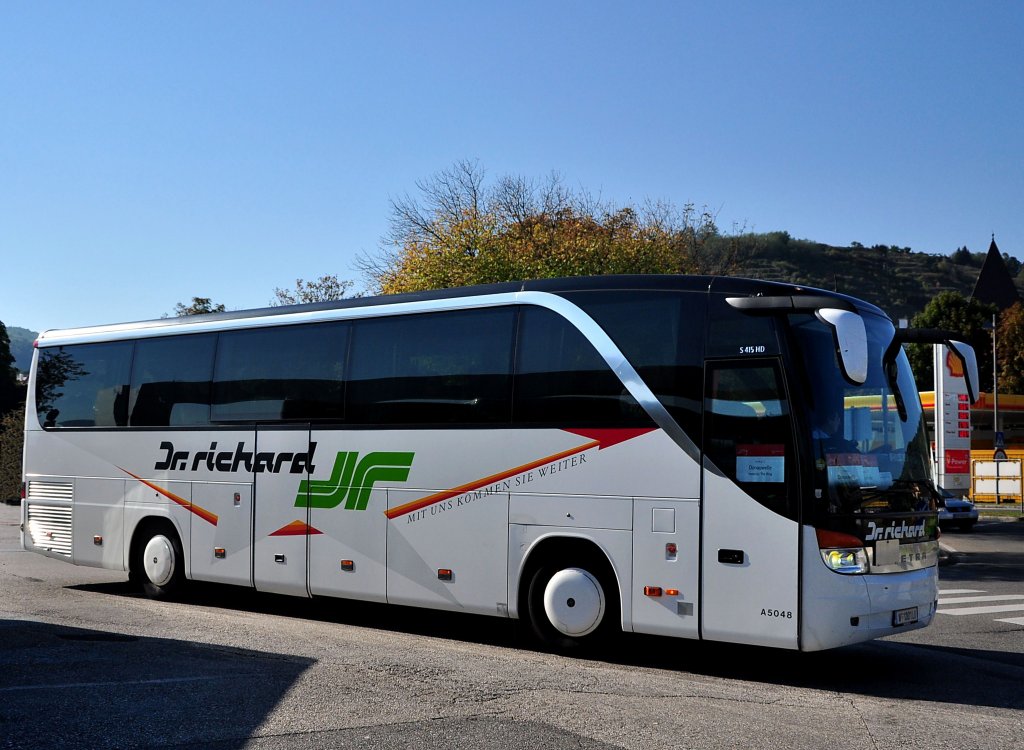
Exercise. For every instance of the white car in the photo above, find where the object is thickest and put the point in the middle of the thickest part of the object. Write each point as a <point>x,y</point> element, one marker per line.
<point>956,511</point>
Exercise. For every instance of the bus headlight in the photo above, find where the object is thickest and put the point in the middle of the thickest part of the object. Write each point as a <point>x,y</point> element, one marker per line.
<point>842,553</point>
<point>851,561</point>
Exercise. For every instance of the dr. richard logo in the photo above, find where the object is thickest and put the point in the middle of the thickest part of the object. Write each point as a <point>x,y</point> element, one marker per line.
<point>239,459</point>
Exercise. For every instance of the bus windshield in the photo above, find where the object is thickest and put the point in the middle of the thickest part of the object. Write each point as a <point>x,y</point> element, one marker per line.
<point>868,442</point>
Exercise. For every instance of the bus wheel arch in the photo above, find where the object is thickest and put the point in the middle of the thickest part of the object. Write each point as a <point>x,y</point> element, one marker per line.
<point>569,594</point>
<point>156,560</point>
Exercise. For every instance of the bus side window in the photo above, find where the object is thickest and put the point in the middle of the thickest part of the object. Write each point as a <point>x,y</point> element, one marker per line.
<point>83,385</point>
<point>562,381</point>
<point>662,335</point>
<point>283,373</point>
<point>432,368</point>
<point>171,381</point>
<point>748,433</point>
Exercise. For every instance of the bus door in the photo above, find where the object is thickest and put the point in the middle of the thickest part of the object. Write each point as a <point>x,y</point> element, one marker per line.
<point>750,538</point>
<point>282,463</point>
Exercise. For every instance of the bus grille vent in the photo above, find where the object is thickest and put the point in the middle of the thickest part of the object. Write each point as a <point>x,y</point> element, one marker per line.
<point>50,528</point>
<point>50,490</point>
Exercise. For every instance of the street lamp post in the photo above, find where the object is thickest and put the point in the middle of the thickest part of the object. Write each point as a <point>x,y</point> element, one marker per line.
<point>995,387</point>
<point>997,448</point>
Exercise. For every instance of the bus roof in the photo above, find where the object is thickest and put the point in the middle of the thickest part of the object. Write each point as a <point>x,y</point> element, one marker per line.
<point>725,285</point>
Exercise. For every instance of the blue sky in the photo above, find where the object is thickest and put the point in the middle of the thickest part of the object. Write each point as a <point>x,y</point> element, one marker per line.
<point>152,152</point>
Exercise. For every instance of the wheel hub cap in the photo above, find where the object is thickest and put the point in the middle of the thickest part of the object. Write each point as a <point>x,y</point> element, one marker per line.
<point>574,602</point>
<point>158,560</point>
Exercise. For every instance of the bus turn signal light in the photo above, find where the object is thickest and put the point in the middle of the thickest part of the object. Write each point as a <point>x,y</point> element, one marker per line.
<point>652,590</point>
<point>671,592</point>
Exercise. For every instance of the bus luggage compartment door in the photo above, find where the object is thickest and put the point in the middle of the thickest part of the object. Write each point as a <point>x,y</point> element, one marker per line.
<point>347,555</point>
<point>280,509</point>
<point>221,551</point>
<point>665,563</point>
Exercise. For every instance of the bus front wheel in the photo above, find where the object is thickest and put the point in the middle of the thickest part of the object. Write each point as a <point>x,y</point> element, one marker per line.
<point>571,605</point>
<point>157,565</point>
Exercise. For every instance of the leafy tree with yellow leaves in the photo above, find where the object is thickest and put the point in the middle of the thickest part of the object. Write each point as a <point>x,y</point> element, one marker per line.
<point>460,230</point>
<point>1010,349</point>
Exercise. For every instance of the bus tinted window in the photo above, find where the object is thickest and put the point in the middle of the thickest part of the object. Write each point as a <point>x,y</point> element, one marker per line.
<point>84,385</point>
<point>749,431</point>
<point>662,336</point>
<point>171,381</point>
<point>562,380</point>
<point>451,367</point>
<point>283,373</point>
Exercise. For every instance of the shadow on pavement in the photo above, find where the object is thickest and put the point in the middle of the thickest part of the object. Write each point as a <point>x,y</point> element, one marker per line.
<point>74,688</point>
<point>885,669</point>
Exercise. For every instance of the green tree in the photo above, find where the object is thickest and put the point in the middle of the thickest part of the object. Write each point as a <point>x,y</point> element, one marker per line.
<point>952,311</point>
<point>198,306</point>
<point>1012,264</point>
<point>10,393</point>
<point>327,288</point>
<point>7,372</point>
<point>460,230</point>
<point>12,437</point>
<point>961,256</point>
<point>1010,349</point>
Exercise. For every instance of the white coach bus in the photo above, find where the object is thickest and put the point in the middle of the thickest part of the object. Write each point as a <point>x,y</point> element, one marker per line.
<point>699,457</point>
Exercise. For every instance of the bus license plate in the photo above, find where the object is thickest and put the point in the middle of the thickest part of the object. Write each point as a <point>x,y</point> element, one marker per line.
<point>904,616</point>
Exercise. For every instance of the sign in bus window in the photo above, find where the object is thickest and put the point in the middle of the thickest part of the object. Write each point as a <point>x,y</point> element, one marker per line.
<point>761,463</point>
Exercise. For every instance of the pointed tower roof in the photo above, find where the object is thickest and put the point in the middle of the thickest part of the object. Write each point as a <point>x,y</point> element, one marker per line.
<point>995,285</point>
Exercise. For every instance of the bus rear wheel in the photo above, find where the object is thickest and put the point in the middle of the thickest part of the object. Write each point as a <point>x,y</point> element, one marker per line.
<point>571,605</point>
<point>157,564</point>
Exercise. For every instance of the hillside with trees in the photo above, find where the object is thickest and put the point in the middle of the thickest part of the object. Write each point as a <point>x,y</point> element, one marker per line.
<point>898,280</point>
<point>21,347</point>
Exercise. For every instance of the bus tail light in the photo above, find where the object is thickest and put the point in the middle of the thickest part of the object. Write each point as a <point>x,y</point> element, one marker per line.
<point>842,553</point>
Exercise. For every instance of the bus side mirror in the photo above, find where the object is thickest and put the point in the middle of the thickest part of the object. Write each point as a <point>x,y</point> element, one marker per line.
<point>851,340</point>
<point>969,361</point>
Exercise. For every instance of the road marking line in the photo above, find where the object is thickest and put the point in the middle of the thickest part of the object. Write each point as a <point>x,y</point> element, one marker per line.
<point>1013,620</point>
<point>982,610</point>
<point>972,599</point>
<point>960,591</point>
